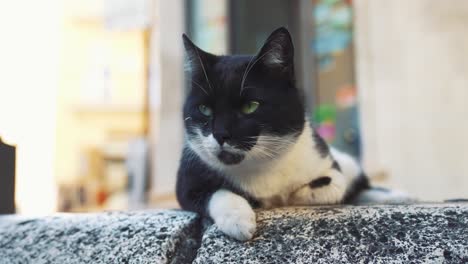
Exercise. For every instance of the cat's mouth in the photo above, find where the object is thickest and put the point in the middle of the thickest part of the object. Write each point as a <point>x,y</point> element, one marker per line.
<point>230,158</point>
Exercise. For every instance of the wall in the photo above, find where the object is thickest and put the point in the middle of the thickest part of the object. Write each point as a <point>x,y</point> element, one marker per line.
<point>30,37</point>
<point>166,96</point>
<point>85,118</point>
<point>412,73</point>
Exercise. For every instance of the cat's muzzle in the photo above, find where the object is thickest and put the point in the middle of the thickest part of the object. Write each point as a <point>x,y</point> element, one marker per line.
<point>230,158</point>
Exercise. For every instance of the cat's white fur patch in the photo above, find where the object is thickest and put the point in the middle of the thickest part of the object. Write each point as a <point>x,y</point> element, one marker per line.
<point>232,214</point>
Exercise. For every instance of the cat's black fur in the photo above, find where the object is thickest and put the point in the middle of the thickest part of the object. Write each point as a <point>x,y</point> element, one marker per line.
<point>217,81</point>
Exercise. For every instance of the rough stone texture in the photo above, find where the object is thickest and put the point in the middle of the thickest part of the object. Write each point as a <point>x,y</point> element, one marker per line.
<point>424,233</point>
<point>137,237</point>
<point>371,234</point>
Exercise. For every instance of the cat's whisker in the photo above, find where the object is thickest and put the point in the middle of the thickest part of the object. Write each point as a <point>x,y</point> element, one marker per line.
<point>260,154</point>
<point>269,152</point>
<point>276,144</point>
<point>269,155</point>
<point>273,153</point>
<point>199,86</point>
<point>276,147</point>
<point>204,71</point>
<point>188,65</point>
<point>248,87</point>
<point>246,73</point>
<point>247,70</point>
<point>243,75</point>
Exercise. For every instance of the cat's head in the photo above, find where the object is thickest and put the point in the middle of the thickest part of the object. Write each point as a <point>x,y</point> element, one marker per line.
<point>243,109</point>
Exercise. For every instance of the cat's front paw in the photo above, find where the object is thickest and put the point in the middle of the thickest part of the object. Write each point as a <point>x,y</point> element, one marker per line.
<point>233,215</point>
<point>239,224</point>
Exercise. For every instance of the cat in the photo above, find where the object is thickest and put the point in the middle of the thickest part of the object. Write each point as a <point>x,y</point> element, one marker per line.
<point>249,144</point>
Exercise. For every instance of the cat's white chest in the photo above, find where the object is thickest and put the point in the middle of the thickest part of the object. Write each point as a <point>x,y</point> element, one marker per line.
<point>300,165</point>
<point>279,181</point>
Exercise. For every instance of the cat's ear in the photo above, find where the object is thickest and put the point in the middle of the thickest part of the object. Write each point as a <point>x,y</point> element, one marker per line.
<point>197,59</point>
<point>278,51</point>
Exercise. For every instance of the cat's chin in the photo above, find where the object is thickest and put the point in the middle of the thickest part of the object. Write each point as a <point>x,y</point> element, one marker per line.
<point>229,158</point>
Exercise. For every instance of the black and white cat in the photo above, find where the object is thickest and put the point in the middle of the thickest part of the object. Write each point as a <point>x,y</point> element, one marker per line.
<point>249,144</point>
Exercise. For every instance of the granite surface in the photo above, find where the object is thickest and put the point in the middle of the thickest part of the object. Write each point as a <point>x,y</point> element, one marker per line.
<point>137,237</point>
<point>351,234</point>
<point>423,233</point>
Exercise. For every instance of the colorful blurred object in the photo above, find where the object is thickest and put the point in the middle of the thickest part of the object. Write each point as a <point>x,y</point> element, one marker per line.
<point>347,137</point>
<point>325,113</point>
<point>346,96</point>
<point>325,118</point>
<point>333,33</point>
<point>338,123</point>
<point>210,24</point>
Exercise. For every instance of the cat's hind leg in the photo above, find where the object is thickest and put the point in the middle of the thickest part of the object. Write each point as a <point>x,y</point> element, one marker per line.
<point>331,185</point>
<point>330,188</point>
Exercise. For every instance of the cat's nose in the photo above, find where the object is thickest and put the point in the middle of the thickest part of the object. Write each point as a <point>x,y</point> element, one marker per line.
<point>221,136</point>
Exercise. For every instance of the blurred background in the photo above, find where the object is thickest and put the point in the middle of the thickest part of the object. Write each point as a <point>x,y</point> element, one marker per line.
<point>91,92</point>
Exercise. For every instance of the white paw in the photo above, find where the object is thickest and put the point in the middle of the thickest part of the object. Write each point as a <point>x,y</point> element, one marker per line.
<point>239,224</point>
<point>233,215</point>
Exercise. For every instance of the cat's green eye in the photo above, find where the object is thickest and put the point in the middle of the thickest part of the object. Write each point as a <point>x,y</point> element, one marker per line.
<point>250,107</point>
<point>205,110</point>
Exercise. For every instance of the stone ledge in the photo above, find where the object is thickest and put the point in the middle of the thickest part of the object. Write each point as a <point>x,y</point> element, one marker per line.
<point>435,233</point>
<point>136,237</point>
<point>348,234</point>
